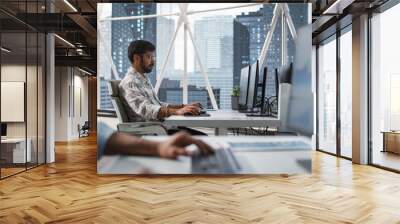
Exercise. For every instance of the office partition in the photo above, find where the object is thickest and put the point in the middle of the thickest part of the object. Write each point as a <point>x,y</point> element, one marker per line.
<point>327,95</point>
<point>345,82</point>
<point>22,77</point>
<point>385,88</point>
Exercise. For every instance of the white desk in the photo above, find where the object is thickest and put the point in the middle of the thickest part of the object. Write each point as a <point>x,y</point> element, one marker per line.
<point>221,120</point>
<point>16,146</point>
<point>252,162</point>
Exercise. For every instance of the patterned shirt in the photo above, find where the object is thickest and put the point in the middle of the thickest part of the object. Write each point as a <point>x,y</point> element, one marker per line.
<point>137,94</point>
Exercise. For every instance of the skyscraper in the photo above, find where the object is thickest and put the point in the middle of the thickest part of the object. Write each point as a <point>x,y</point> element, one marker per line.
<point>105,99</point>
<point>241,51</point>
<point>208,35</point>
<point>299,14</point>
<point>126,31</point>
<point>165,31</point>
<point>257,28</point>
<point>258,24</point>
<point>214,38</point>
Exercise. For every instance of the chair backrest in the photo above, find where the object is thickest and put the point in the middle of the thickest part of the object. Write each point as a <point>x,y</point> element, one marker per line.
<point>283,104</point>
<point>113,89</point>
<point>86,125</point>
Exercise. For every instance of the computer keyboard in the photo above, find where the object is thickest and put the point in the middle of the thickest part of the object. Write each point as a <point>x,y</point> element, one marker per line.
<point>222,161</point>
<point>270,146</point>
<point>203,113</point>
<point>196,115</point>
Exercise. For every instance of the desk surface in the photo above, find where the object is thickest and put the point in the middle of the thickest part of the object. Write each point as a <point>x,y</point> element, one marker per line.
<point>222,119</point>
<point>14,140</point>
<point>253,162</point>
<point>390,132</point>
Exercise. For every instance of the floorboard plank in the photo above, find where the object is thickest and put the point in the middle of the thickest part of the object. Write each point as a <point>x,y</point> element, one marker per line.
<point>70,191</point>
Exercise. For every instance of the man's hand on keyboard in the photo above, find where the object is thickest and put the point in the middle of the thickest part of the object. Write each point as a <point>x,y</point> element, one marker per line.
<point>196,104</point>
<point>175,146</point>
<point>188,109</point>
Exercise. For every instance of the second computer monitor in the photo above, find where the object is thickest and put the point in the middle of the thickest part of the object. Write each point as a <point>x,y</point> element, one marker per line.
<point>285,73</point>
<point>244,85</point>
<point>253,84</point>
<point>276,83</point>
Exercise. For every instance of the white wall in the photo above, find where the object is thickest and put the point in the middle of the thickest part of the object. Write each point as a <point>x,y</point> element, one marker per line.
<point>33,126</point>
<point>17,73</point>
<point>70,83</point>
<point>80,83</point>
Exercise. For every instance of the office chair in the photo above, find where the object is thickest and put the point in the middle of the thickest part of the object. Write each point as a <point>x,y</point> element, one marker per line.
<point>84,130</point>
<point>124,125</point>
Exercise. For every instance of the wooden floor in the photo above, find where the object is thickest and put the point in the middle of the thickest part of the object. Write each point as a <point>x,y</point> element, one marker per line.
<point>386,159</point>
<point>10,171</point>
<point>70,191</point>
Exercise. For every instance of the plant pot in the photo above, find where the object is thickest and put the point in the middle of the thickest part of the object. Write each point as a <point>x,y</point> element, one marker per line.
<point>235,102</point>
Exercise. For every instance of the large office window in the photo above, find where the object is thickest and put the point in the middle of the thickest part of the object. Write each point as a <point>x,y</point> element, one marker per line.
<point>227,41</point>
<point>327,95</point>
<point>335,94</point>
<point>22,77</point>
<point>385,89</point>
<point>346,92</point>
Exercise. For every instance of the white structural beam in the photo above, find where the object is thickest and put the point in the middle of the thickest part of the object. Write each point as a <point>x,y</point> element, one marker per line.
<point>197,55</point>
<point>184,20</point>
<point>176,13</point>
<point>268,39</point>
<point>185,75</point>
<point>224,8</point>
<point>196,50</point>
<point>138,17</point>
<point>114,71</point>
<point>280,9</point>
<point>160,77</point>
<point>283,40</point>
<point>183,8</point>
<point>113,68</point>
<point>289,21</point>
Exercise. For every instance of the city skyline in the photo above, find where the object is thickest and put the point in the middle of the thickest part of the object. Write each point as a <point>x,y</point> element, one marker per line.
<point>214,36</point>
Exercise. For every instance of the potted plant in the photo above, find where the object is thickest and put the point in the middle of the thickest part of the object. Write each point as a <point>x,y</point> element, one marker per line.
<point>235,98</point>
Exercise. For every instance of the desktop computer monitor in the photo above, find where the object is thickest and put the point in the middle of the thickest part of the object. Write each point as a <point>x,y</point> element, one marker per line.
<point>276,83</point>
<point>244,85</point>
<point>300,114</point>
<point>253,84</point>
<point>285,73</point>
<point>3,129</point>
<point>264,87</point>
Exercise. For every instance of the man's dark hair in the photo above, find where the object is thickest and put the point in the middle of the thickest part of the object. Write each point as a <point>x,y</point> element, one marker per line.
<point>139,47</point>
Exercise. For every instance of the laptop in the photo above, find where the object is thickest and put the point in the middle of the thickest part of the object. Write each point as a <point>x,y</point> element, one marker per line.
<point>227,158</point>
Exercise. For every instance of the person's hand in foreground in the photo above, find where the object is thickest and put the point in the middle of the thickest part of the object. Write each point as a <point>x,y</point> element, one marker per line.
<point>124,144</point>
<point>175,146</point>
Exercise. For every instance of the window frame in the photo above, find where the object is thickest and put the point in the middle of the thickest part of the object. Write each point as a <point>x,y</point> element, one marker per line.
<point>333,37</point>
